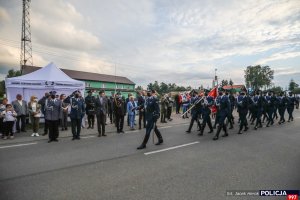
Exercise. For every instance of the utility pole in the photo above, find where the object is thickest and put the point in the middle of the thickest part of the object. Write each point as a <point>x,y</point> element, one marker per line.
<point>26,47</point>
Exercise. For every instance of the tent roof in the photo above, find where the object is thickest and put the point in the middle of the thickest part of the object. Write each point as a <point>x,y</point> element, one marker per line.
<point>48,76</point>
<point>50,73</point>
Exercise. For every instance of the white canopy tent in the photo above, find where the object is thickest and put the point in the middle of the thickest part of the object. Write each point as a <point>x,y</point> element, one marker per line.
<point>46,79</point>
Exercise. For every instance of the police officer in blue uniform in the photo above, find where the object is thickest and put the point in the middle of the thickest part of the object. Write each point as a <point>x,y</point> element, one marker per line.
<point>208,101</point>
<point>152,114</point>
<point>282,104</point>
<point>271,104</point>
<point>291,105</point>
<point>196,111</point>
<point>223,105</point>
<point>242,105</point>
<point>77,112</point>
<point>90,109</point>
<point>258,103</point>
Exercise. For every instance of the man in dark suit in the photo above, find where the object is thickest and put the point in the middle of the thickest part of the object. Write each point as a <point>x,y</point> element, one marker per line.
<point>77,112</point>
<point>20,106</point>
<point>101,105</point>
<point>53,108</point>
<point>119,110</point>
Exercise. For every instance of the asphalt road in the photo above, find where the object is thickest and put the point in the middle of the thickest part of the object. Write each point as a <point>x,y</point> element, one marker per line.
<point>188,167</point>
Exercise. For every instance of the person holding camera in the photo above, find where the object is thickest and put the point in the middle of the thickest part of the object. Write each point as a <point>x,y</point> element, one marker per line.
<point>152,114</point>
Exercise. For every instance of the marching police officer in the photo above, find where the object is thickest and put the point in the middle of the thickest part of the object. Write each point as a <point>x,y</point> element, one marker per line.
<point>208,101</point>
<point>271,107</point>
<point>290,107</point>
<point>282,104</point>
<point>196,110</point>
<point>259,103</point>
<point>242,104</point>
<point>223,108</point>
<point>152,114</point>
<point>90,109</point>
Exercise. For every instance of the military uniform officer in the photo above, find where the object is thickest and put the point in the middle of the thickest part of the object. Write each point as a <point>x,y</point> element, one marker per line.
<point>282,104</point>
<point>271,104</point>
<point>101,110</point>
<point>119,111</point>
<point>223,109</point>
<point>77,112</point>
<point>90,109</point>
<point>242,104</point>
<point>152,114</point>
<point>207,103</point>
<point>290,107</point>
<point>196,111</point>
<point>259,102</point>
<point>53,108</point>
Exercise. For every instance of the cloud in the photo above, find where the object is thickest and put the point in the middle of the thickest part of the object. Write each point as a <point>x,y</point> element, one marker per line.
<point>167,41</point>
<point>4,16</point>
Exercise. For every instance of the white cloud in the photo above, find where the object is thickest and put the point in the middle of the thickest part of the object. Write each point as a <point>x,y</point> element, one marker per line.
<point>4,16</point>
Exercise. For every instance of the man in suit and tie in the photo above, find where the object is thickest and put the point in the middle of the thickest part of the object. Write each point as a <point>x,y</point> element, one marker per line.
<point>101,105</point>
<point>53,109</point>
<point>20,106</point>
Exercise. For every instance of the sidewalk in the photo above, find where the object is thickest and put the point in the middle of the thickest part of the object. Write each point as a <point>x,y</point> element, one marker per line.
<point>110,130</point>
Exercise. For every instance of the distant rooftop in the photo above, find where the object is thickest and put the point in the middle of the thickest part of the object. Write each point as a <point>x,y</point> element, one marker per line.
<point>79,75</point>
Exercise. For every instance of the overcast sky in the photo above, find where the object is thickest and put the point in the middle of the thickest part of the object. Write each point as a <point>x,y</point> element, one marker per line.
<point>164,40</point>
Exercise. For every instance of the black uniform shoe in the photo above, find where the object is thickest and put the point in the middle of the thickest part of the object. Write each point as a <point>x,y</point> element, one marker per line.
<point>255,128</point>
<point>159,142</point>
<point>225,135</point>
<point>142,146</point>
<point>240,132</point>
<point>200,134</point>
<point>211,131</point>
<point>246,129</point>
<point>73,138</point>
<point>216,138</point>
<point>104,135</point>
<point>55,140</point>
<point>49,141</point>
<point>188,131</point>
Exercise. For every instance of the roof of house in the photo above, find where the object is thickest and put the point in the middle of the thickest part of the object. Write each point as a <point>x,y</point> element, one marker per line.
<point>228,87</point>
<point>79,75</point>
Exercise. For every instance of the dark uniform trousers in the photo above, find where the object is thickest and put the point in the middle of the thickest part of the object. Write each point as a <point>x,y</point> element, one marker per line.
<point>53,129</point>
<point>101,123</point>
<point>290,110</point>
<point>142,117</point>
<point>76,127</point>
<point>151,122</point>
<point>243,118</point>
<point>206,120</point>
<point>119,122</point>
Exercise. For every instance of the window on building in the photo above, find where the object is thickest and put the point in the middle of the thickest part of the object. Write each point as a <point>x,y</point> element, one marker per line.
<point>103,85</point>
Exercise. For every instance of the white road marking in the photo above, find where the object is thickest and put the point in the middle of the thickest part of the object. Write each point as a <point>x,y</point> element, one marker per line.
<point>171,148</point>
<point>17,145</point>
<point>88,137</point>
<point>165,127</point>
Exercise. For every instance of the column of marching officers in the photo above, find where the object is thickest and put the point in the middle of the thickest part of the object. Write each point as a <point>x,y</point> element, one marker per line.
<point>259,107</point>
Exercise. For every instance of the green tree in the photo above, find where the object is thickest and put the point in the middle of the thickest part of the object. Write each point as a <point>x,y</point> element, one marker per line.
<point>224,82</point>
<point>139,88</point>
<point>230,82</point>
<point>163,88</point>
<point>11,73</point>
<point>258,76</point>
<point>293,85</point>
<point>276,89</point>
